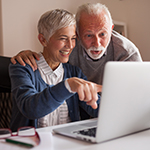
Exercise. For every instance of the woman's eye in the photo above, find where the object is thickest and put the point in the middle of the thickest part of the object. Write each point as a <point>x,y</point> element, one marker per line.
<point>62,38</point>
<point>73,38</point>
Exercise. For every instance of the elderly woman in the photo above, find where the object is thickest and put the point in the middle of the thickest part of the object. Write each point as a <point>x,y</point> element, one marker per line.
<point>53,93</point>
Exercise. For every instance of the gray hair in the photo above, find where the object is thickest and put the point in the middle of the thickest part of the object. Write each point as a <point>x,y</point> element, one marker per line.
<point>54,20</point>
<point>90,9</point>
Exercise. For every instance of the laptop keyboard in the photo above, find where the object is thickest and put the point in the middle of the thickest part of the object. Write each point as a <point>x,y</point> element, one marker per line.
<point>90,132</point>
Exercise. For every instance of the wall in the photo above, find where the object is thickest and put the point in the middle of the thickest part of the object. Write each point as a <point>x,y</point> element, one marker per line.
<point>136,15</point>
<point>18,21</point>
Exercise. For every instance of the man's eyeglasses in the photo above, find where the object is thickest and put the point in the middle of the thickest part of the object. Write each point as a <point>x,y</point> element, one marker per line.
<point>21,132</point>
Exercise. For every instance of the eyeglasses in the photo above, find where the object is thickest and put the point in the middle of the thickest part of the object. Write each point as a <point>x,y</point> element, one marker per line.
<point>28,131</point>
<point>23,131</point>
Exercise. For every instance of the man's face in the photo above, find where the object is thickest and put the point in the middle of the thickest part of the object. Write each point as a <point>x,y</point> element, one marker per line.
<point>95,33</point>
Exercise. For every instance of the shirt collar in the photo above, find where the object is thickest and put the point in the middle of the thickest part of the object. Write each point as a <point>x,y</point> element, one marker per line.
<point>46,69</point>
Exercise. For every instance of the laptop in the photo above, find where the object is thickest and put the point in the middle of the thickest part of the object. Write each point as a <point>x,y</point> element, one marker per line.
<point>124,106</point>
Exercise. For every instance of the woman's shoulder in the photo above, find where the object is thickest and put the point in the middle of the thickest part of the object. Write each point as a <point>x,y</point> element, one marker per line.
<point>18,66</point>
<point>19,69</point>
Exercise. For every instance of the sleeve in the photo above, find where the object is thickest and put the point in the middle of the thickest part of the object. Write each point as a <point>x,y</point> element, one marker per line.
<point>89,110</point>
<point>124,49</point>
<point>134,57</point>
<point>76,71</point>
<point>33,97</point>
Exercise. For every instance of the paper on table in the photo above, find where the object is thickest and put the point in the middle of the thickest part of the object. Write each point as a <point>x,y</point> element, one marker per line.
<point>46,141</point>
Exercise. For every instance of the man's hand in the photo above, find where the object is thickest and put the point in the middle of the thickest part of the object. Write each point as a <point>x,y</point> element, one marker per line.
<point>28,57</point>
<point>86,90</point>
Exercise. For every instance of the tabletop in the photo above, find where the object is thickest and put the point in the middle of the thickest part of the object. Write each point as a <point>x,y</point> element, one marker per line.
<point>53,141</point>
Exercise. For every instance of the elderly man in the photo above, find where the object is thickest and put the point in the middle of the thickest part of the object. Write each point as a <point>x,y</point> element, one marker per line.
<point>96,45</point>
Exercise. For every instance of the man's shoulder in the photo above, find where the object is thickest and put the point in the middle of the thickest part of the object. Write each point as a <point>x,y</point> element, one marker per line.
<point>122,43</point>
<point>124,49</point>
<point>121,40</point>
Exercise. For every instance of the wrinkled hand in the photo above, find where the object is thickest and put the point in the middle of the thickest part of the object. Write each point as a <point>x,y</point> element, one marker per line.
<point>28,57</point>
<point>86,90</point>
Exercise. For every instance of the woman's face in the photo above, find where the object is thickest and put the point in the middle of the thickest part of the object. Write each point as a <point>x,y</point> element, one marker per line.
<point>59,46</point>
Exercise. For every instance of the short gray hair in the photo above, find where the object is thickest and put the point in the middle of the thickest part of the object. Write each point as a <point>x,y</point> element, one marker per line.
<point>54,20</point>
<point>90,9</point>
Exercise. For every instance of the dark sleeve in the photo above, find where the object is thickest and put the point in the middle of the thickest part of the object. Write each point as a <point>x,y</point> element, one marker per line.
<point>86,111</point>
<point>32,100</point>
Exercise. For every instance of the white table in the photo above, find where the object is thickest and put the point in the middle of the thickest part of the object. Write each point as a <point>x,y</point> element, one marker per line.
<point>139,141</point>
<point>51,141</point>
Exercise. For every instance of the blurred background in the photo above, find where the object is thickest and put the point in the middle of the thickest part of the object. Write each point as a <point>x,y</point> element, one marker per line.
<point>18,22</point>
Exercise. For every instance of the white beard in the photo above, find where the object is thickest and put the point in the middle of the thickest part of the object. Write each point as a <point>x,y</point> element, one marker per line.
<point>96,56</point>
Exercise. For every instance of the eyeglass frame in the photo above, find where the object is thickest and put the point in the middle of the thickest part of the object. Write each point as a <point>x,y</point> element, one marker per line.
<point>19,129</point>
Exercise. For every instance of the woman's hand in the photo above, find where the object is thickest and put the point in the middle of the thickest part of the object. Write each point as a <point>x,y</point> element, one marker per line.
<point>86,90</point>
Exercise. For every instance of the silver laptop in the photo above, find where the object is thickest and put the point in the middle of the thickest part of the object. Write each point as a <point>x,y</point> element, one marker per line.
<point>124,107</point>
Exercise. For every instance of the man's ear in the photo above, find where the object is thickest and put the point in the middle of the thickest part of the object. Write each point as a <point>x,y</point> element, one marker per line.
<point>42,40</point>
<point>112,27</point>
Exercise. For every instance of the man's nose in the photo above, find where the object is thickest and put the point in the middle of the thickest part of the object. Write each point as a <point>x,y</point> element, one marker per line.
<point>96,41</point>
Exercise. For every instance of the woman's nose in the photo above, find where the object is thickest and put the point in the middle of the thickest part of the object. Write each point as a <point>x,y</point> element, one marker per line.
<point>69,44</point>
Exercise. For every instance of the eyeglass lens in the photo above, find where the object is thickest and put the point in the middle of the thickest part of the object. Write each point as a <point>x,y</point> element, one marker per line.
<point>24,131</point>
<point>4,133</point>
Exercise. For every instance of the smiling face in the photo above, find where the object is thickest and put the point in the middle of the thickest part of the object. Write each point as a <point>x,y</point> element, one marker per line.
<point>59,46</point>
<point>95,33</point>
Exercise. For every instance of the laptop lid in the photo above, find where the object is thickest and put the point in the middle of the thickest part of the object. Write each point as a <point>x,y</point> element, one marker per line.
<point>125,103</point>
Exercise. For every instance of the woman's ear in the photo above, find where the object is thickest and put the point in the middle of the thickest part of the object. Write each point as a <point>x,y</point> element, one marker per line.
<point>42,40</point>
